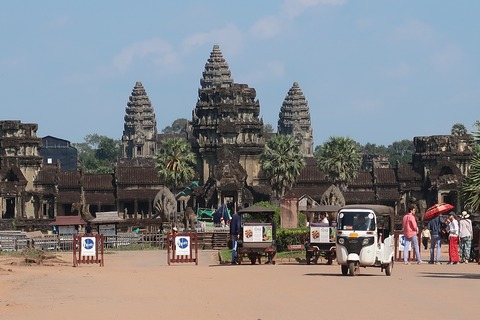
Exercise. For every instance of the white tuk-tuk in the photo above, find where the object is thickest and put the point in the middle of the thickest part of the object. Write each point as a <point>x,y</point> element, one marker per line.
<point>365,238</point>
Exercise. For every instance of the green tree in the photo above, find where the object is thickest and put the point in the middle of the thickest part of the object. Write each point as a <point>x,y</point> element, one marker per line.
<point>401,151</point>
<point>373,149</point>
<point>175,162</point>
<point>470,188</point>
<point>340,159</point>
<point>281,162</point>
<point>458,129</point>
<point>178,126</point>
<point>98,153</point>
<point>268,128</point>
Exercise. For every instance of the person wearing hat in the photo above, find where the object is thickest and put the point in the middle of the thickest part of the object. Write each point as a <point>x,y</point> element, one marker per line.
<point>465,234</point>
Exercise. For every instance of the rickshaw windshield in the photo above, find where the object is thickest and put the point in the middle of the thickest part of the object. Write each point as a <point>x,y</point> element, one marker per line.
<point>356,220</point>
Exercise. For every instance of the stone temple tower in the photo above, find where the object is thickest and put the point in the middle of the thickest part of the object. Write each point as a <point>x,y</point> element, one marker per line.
<point>227,130</point>
<point>294,119</point>
<point>139,138</point>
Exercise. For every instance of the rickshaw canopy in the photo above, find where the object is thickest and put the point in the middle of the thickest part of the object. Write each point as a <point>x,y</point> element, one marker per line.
<point>324,208</point>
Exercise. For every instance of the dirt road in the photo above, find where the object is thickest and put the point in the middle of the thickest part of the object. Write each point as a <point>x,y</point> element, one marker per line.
<point>140,285</point>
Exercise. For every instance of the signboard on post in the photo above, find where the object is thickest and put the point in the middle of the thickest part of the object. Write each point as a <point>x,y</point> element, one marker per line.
<point>182,248</point>
<point>182,245</point>
<point>88,249</point>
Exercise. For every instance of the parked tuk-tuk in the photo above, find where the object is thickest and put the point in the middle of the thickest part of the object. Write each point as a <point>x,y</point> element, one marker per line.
<point>322,235</point>
<point>365,238</point>
<point>258,235</point>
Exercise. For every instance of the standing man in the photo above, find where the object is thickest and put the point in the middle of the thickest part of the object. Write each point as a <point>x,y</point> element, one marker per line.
<point>410,231</point>
<point>466,233</point>
<point>435,226</point>
<point>235,228</point>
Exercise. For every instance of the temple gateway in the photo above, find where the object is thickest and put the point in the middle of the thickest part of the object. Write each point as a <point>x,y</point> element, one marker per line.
<point>41,181</point>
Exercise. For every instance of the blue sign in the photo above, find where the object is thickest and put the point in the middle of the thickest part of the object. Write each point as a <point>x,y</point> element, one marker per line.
<point>88,244</point>
<point>182,242</point>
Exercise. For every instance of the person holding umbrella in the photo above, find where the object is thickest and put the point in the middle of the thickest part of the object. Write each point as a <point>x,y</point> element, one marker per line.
<point>435,227</point>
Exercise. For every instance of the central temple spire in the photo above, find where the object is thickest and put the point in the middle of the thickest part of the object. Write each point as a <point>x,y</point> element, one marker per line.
<point>294,119</point>
<point>216,71</point>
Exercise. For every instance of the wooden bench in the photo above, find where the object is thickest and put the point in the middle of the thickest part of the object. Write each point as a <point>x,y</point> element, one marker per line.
<point>294,247</point>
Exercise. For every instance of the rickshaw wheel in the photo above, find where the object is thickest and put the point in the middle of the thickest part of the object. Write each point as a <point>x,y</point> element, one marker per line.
<point>389,268</point>
<point>353,268</point>
<point>344,270</point>
<point>308,257</point>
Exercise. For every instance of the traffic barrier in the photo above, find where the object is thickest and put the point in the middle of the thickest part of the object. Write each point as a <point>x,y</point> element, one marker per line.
<point>88,249</point>
<point>182,248</point>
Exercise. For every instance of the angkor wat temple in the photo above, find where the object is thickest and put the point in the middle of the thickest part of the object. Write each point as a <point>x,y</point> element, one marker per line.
<point>228,136</point>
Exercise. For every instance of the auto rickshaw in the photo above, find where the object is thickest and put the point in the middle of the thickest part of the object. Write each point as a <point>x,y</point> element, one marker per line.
<point>258,235</point>
<point>365,238</point>
<point>322,236</point>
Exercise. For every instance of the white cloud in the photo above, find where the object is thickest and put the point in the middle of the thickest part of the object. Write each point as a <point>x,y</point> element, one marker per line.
<point>293,8</point>
<point>399,71</point>
<point>271,70</point>
<point>447,60</point>
<point>229,38</point>
<point>415,30</point>
<point>159,52</point>
<point>58,22</point>
<point>267,27</point>
<point>272,25</point>
<point>366,105</point>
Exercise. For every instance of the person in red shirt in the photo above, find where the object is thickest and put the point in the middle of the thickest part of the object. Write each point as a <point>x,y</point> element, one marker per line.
<point>410,231</point>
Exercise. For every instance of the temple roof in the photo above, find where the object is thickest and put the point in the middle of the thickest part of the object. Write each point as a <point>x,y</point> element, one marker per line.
<point>216,71</point>
<point>47,175</point>
<point>385,176</point>
<point>69,179</point>
<point>98,182</point>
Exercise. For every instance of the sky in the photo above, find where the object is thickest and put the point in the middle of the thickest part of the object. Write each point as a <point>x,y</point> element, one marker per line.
<point>376,71</point>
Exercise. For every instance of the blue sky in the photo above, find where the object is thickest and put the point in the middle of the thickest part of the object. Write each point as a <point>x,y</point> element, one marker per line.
<point>375,71</point>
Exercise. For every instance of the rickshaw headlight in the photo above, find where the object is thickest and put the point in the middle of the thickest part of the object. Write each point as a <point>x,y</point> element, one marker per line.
<point>341,240</point>
<point>365,241</point>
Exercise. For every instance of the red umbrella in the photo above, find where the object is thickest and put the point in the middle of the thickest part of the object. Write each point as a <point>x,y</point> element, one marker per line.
<point>436,210</point>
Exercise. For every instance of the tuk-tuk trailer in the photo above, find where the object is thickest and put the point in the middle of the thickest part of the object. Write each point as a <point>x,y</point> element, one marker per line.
<point>258,235</point>
<point>322,236</point>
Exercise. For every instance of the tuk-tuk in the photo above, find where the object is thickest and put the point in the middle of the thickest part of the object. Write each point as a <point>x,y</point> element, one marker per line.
<point>322,235</point>
<point>365,238</point>
<point>258,235</point>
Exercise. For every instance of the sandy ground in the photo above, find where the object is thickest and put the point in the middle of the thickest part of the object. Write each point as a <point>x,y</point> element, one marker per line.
<point>141,285</point>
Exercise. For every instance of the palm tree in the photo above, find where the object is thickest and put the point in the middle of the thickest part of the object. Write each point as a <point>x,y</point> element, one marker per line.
<point>340,159</point>
<point>470,189</point>
<point>281,162</point>
<point>175,162</point>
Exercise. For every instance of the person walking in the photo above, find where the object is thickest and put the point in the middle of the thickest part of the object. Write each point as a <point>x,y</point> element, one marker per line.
<point>435,226</point>
<point>453,240</point>
<point>426,236</point>
<point>235,228</point>
<point>410,231</point>
<point>465,234</point>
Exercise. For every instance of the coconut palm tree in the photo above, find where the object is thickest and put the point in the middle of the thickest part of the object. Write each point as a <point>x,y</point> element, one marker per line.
<point>340,159</point>
<point>175,162</point>
<point>281,162</point>
<point>470,189</point>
